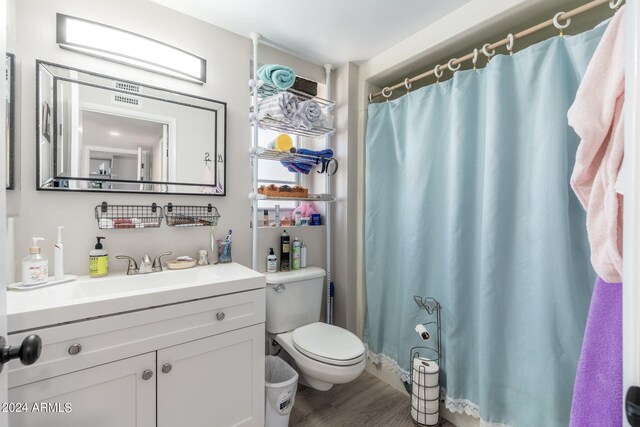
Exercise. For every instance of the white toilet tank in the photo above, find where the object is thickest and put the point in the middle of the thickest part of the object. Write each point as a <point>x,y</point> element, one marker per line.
<point>294,298</point>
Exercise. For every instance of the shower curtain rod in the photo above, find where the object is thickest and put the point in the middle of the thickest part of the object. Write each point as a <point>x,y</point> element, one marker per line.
<point>488,48</point>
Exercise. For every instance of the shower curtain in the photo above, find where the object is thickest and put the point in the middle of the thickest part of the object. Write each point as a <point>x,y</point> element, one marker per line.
<point>468,201</point>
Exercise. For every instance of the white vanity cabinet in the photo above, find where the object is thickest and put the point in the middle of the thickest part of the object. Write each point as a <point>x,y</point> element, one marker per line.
<point>195,362</point>
<point>114,394</point>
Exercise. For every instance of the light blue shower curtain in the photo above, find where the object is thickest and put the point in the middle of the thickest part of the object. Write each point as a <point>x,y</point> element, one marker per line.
<point>468,201</point>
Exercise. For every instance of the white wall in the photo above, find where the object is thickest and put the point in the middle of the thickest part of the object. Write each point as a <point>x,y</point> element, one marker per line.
<point>343,186</point>
<point>38,213</point>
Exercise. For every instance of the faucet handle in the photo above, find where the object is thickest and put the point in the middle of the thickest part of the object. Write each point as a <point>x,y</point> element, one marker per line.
<point>157,262</point>
<point>132,268</point>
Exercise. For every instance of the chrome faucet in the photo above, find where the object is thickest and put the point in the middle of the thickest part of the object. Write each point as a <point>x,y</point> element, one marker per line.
<point>146,266</point>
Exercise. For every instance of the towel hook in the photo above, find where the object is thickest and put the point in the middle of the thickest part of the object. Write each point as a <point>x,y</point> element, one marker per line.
<point>510,42</point>
<point>561,27</point>
<point>486,51</point>
<point>384,93</point>
<point>615,4</point>
<point>407,84</point>
<point>474,60</point>
<point>450,65</point>
<point>438,73</point>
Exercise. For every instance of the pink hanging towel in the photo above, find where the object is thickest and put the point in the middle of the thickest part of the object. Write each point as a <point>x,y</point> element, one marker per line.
<point>596,116</point>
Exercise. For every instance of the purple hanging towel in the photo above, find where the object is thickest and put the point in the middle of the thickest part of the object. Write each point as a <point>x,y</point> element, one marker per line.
<point>597,395</point>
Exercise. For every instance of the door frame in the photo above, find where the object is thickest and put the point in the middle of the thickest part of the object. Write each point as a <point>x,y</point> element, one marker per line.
<point>631,243</point>
<point>3,214</point>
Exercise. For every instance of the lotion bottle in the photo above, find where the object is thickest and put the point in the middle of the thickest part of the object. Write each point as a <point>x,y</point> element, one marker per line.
<point>98,260</point>
<point>272,262</point>
<point>35,266</point>
<point>58,256</point>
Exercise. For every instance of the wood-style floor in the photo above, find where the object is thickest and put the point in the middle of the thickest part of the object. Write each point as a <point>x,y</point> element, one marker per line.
<point>367,401</point>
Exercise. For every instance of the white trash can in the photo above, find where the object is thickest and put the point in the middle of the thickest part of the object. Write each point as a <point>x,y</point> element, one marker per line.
<point>281,384</point>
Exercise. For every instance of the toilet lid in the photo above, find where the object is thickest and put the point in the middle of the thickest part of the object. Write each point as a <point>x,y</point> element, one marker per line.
<point>328,343</point>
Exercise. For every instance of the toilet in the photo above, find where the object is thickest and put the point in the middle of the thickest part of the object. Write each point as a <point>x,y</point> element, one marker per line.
<point>323,354</point>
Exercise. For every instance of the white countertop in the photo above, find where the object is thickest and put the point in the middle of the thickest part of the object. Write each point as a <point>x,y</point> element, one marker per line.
<point>87,298</point>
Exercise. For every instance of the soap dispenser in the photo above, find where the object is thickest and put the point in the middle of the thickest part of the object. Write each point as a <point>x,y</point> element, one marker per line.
<point>35,266</point>
<point>98,260</point>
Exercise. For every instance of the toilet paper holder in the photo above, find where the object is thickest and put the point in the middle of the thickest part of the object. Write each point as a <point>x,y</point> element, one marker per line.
<point>425,364</point>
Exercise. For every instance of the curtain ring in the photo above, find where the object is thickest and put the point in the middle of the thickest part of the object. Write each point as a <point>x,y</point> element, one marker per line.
<point>385,94</point>
<point>450,65</point>
<point>474,60</point>
<point>510,42</point>
<point>407,84</point>
<point>438,72</point>
<point>561,27</point>
<point>615,4</point>
<point>486,52</point>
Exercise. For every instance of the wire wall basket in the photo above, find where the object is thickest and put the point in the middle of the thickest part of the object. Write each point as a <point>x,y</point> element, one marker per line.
<point>425,365</point>
<point>191,216</point>
<point>128,216</point>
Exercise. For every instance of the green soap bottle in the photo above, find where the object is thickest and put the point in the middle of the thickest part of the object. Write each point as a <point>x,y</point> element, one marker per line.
<point>98,261</point>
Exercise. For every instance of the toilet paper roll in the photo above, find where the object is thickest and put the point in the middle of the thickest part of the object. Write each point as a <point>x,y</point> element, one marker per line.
<point>422,331</point>
<point>426,406</point>
<point>422,393</point>
<point>423,418</point>
<point>425,372</point>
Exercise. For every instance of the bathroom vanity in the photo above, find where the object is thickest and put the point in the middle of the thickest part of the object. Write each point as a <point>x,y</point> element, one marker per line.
<point>168,349</point>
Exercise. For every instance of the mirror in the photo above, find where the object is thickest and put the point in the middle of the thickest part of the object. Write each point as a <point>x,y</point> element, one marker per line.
<point>9,86</point>
<point>97,133</point>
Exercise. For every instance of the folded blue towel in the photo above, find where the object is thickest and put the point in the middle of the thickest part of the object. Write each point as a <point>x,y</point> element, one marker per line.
<point>304,165</point>
<point>277,75</point>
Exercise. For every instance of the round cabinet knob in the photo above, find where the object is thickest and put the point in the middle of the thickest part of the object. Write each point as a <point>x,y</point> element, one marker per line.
<point>166,368</point>
<point>220,316</point>
<point>75,349</point>
<point>147,374</point>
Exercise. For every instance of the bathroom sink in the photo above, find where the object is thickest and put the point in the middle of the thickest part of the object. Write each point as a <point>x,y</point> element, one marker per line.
<point>88,298</point>
<point>88,287</point>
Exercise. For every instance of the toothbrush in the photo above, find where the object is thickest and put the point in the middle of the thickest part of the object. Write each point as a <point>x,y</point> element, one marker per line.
<point>229,236</point>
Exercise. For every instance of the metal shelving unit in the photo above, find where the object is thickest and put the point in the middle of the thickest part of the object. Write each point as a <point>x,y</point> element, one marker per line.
<point>260,90</point>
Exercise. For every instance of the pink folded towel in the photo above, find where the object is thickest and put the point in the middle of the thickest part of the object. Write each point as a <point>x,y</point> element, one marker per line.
<point>596,116</point>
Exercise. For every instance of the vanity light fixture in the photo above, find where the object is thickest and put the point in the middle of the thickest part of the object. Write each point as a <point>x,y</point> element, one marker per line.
<point>124,47</point>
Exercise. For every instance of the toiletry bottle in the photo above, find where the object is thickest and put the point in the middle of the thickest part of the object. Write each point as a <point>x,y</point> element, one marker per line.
<point>298,218</point>
<point>285,251</point>
<point>272,262</point>
<point>58,256</point>
<point>265,218</point>
<point>295,254</point>
<point>98,260</point>
<point>35,266</point>
<point>277,217</point>
<point>303,255</point>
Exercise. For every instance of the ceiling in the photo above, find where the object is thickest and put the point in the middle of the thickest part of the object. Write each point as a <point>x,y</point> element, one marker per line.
<point>109,130</point>
<point>322,31</point>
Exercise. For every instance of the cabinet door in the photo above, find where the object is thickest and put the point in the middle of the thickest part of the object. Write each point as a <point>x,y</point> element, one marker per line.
<point>216,381</point>
<point>114,394</point>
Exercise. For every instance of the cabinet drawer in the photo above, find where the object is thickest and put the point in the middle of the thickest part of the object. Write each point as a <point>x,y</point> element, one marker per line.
<point>110,338</point>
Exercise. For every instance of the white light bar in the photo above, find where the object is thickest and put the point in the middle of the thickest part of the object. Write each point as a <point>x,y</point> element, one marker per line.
<point>124,47</point>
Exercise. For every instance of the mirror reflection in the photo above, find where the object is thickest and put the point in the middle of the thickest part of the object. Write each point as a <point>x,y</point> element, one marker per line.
<point>9,85</point>
<point>103,134</point>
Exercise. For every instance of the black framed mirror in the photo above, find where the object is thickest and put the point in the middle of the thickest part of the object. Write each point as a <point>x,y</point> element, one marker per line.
<point>10,119</point>
<point>100,133</point>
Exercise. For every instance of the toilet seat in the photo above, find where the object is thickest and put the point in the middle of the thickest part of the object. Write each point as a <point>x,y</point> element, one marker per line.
<point>328,344</point>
